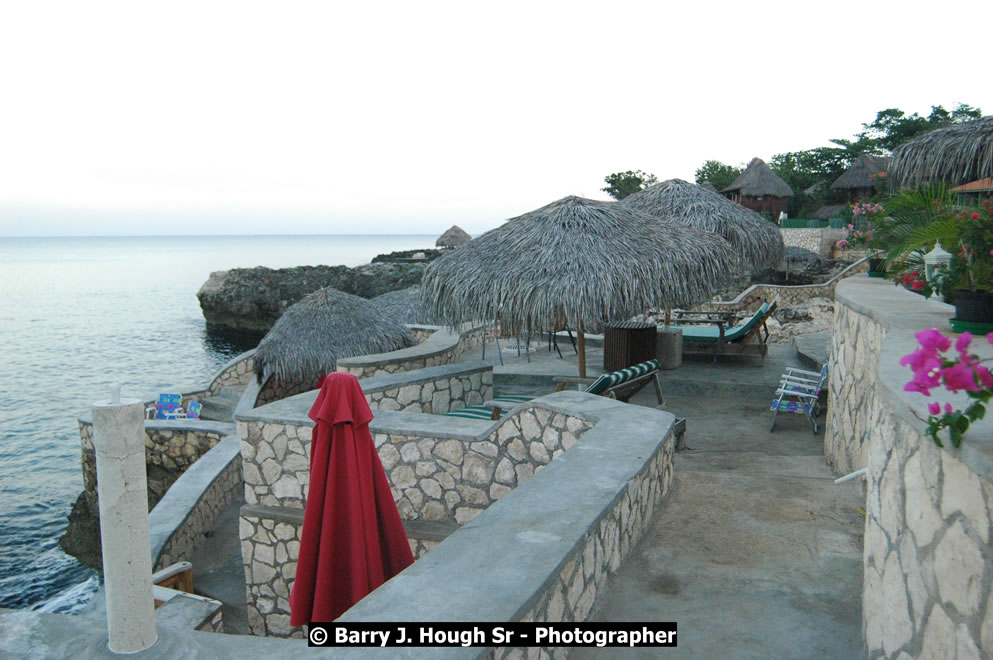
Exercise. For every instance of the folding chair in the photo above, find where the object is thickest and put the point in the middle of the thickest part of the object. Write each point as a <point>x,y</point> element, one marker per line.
<point>799,393</point>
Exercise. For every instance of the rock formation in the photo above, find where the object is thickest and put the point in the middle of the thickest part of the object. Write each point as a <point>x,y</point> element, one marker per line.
<point>251,299</point>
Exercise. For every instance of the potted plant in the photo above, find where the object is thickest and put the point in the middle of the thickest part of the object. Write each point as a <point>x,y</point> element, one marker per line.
<point>864,215</point>
<point>970,281</point>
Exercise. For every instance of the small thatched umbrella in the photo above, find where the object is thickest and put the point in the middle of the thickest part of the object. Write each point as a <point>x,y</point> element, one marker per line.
<point>405,306</point>
<point>758,180</point>
<point>758,242</point>
<point>575,261</point>
<point>954,154</point>
<point>454,237</point>
<point>310,336</point>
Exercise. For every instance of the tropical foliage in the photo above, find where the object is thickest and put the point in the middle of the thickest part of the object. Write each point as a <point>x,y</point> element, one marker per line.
<point>622,184</point>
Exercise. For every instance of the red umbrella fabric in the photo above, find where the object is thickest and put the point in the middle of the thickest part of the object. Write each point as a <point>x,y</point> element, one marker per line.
<point>353,539</point>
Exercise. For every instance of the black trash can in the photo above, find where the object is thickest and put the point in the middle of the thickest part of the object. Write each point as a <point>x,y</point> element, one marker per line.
<point>627,344</point>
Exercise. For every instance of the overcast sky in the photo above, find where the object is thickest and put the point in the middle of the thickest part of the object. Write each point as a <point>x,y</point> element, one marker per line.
<point>407,117</point>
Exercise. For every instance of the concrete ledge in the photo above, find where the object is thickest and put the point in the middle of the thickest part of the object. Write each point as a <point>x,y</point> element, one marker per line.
<point>902,314</point>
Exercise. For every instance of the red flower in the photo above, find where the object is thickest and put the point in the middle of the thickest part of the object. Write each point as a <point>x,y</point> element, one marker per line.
<point>974,216</point>
<point>917,286</point>
<point>907,278</point>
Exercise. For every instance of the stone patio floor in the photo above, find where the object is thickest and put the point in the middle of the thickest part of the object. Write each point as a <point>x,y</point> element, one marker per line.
<point>756,552</point>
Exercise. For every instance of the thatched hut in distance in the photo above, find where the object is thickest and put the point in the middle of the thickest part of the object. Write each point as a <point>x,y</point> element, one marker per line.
<point>707,185</point>
<point>859,181</point>
<point>760,189</point>
<point>454,237</point>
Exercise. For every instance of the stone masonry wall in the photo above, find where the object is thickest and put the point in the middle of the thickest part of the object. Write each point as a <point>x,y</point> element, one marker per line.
<point>853,407</point>
<point>236,373</point>
<point>928,557</point>
<point>575,594</point>
<point>223,490</point>
<point>438,396</point>
<point>404,362</point>
<point>431,478</point>
<point>275,390</point>
<point>168,452</point>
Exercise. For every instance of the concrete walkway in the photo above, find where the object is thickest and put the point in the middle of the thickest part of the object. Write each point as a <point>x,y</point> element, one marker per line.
<point>756,553</point>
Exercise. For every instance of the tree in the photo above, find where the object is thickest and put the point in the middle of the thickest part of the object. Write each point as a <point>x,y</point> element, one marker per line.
<point>719,174</point>
<point>622,184</point>
<point>892,127</point>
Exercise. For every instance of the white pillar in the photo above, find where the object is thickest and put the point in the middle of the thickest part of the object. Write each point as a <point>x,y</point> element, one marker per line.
<point>119,442</point>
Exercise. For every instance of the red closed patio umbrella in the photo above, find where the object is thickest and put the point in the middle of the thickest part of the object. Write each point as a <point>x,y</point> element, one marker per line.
<point>353,539</point>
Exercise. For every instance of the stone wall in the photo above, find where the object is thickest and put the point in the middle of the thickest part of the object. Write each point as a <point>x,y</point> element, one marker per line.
<point>437,390</point>
<point>928,561</point>
<point>442,347</point>
<point>275,390</point>
<point>432,477</point>
<point>820,240</point>
<point>751,298</point>
<point>178,522</point>
<point>236,373</point>
<point>853,407</point>
<point>170,448</point>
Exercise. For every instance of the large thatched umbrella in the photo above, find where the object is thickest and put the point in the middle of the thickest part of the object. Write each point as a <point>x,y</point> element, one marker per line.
<point>577,262</point>
<point>954,154</point>
<point>405,306</point>
<point>454,237</point>
<point>310,336</point>
<point>757,242</point>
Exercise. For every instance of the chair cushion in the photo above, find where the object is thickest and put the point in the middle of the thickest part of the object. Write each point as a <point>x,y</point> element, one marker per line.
<point>601,384</point>
<point>711,333</point>
<point>475,412</point>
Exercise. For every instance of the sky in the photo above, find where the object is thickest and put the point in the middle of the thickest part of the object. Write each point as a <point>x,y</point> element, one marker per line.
<point>137,118</point>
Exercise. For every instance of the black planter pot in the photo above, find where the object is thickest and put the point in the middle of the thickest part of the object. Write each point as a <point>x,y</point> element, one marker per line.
<point>877,268</point>
<point>974,306</point>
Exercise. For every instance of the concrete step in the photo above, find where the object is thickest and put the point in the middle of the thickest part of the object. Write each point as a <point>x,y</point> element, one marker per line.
<point>218,409</point>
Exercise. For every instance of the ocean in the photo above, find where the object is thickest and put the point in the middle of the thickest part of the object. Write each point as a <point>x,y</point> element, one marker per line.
<point>80,314</point>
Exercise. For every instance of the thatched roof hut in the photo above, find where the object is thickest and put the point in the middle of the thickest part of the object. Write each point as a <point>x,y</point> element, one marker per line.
<point>454,237</point>
<point>575,262</point>
<point>954,154</point>
<point>760,189</point>
<point>405,306</point>
<point>757,241</point>
<point>310,336</point>
<point>758,180</point>
<point>707,185</point>
<point>859,180</point>
<point>830,211</point>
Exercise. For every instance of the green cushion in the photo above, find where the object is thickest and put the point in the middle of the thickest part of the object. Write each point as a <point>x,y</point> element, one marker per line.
<point>475,412</point>
<point>601,384</point>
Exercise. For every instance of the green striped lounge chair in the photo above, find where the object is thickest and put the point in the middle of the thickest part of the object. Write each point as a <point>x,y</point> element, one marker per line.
<point>799,393</point>
<point>621,385</point>
<point>716,337</point>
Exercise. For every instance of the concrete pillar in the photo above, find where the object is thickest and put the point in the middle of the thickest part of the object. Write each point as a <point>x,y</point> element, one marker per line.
<point>119,443</point>
<point>669,347</point>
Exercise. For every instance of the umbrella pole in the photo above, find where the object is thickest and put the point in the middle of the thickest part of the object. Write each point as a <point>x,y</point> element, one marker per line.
<point>668,317</point>
<point>581,351</point>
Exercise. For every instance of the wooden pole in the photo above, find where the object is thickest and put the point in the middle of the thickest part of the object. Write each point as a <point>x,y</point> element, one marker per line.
<point>581,350</point>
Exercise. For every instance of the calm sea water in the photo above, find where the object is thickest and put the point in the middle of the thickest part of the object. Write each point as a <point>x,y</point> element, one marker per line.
<point>78,314</point>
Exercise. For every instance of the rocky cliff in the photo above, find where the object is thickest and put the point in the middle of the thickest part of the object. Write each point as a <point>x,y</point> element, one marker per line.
<point>251,299</point>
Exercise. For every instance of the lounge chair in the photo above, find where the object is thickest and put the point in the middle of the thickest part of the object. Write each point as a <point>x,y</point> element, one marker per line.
<point>193,409</point>
<point>717,336</point>
<point>799,393</point>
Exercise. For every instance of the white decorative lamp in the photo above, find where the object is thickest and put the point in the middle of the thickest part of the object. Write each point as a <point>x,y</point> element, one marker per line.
<point>934,261</point>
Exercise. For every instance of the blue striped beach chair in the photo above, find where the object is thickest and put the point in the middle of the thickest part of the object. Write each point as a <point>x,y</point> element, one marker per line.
<point>799,393</point>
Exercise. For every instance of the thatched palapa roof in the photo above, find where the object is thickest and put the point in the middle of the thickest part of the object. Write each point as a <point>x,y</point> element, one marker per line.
<point>757,241</point>
<point>575,261</point>
<point>830,211</point>
<point>860,174</point>
<point>758,180</point>
<point>454,237</point>
<point>955,154</point>
<point>310,336</point>
<point>707,185</point>
<point>404,306</point>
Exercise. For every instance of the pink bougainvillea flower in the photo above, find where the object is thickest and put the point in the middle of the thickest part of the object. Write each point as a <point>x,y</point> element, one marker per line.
<point>933,340</point>
<point>851,227</point>
<point>842,243</point>
<point>908,278</point>
<point>948,409</point>
<point>934,408</point>
<point>989,337</point>
<point>962,343</point>
<point>985,377</point>
<point>917,286</point>
<point>959,377</point>
<point>974,216</point>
